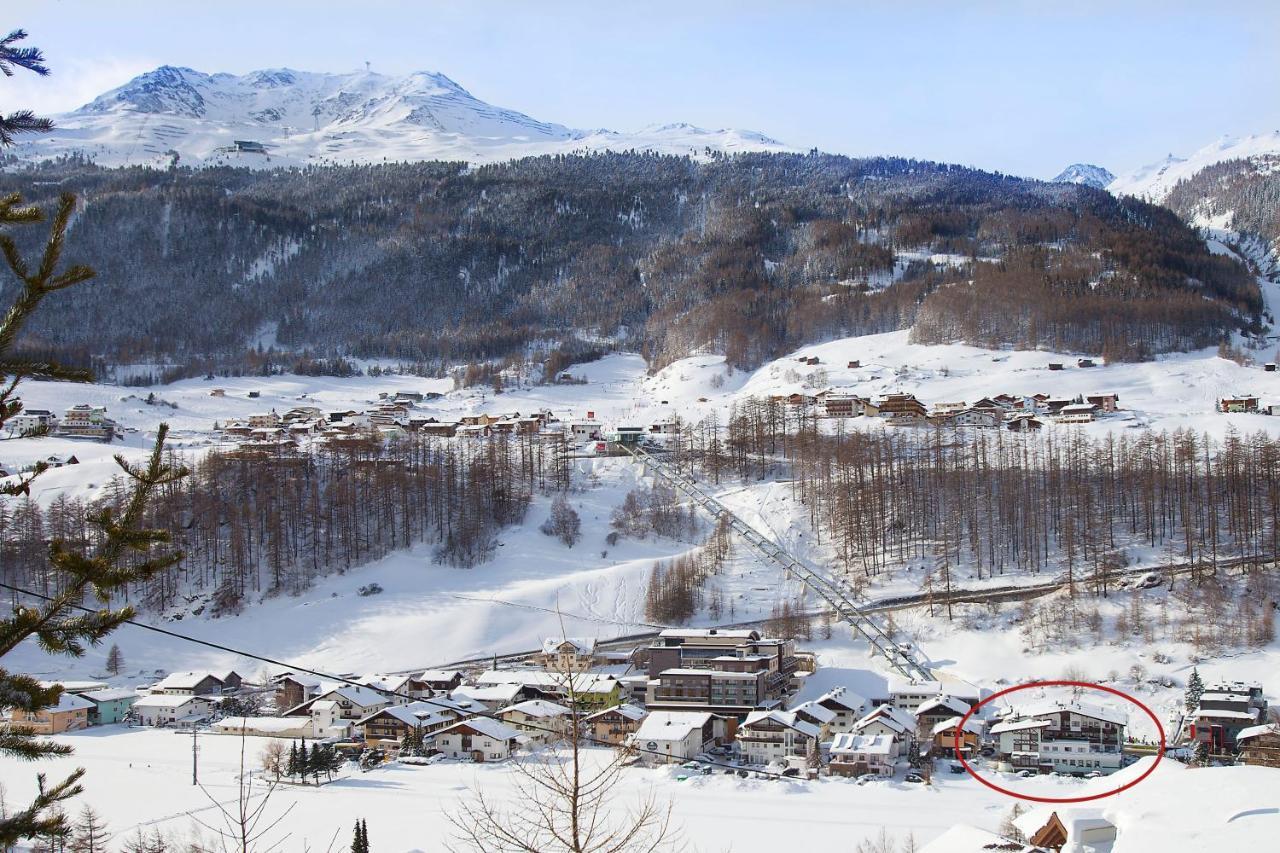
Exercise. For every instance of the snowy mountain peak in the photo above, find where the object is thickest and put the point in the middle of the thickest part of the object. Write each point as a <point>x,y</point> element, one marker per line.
<point>1085,173</point>
<point>308,117</point>
<point>1154,181</point>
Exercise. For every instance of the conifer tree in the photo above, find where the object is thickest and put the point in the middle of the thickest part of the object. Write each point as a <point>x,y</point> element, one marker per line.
<point>291,765</point>
<point>90,834</point>
<point>115,660</point>
<point>1195,689</point>
<point>103,572</point>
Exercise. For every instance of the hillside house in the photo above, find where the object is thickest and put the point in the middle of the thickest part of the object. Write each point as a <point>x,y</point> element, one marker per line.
<point>613,725</point>
<point>85,421</point>
<point>294,688</point>
<point>1260,745</point>
<point>894,723</point>
<point>1078,737</point>
<point>110,705</point>
<point>480,739</point>
<point>675,736</point>
<point>845,706</point>
<point>346,703</point>
<point>1055,365</point>
<point>574,654</point>
<point>1226,710</point>
<point>1238,403</point>
<point>492,695</point>
<point>909,695</point>
<point>974,418</point>
<point>1076,413</point>
<point>842,406</point>
<point>1107,403</point>
<point>767,736</point>
<point>437,680</point>
<point>395,689</point>
<point>172,709</point>
<point>31,420</point>
<point>71,713</point>
<point>854,364</point>
<point>943,735</point>
<point>1024,423</point>
<point>896,406</point>
<point>193,684</point>
<point>939,709</point>
<point>544,722</point>
<point>1074,829</point>
<point>859,755</point>
<point>590,690</point>
<point>389,725</point>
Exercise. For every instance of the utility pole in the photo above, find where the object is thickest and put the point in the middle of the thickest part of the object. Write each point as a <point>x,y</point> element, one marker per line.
<point>195,752</point>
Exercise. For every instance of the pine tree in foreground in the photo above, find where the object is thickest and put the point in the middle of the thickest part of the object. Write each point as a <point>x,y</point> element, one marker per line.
<point>124,553</point>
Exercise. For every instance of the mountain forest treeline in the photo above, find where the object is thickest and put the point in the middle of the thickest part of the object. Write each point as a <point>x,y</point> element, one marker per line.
<point>441,264</point>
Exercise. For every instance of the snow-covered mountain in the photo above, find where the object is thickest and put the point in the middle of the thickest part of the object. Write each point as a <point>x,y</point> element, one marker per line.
<point>1154,181</point>
<point>1085,173</point>
<point>304,117</point>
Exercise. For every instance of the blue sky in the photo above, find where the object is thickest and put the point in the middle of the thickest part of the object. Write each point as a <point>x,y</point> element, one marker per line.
<point>1021,87</point>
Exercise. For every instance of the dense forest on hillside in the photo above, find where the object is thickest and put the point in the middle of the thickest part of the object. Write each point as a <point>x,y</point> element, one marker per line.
<point>1247,190</point>
<point>441,263</point>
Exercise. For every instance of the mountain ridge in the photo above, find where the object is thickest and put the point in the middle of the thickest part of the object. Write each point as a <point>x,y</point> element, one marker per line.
<point>297,117</point>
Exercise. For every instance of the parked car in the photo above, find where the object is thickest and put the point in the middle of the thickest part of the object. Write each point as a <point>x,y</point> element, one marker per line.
<point>1026,774</point>
<point>914,777</point>
<point>791,772</point>
<point>956,767</point>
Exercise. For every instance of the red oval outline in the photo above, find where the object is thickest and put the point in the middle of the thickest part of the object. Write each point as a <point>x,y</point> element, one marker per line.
<point>1088,686</point>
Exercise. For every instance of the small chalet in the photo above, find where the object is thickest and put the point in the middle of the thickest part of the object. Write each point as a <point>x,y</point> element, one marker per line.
<point>613,725</point>
<point>1260,745</point>
<point>393,723</point>
<point>1238,403</point>
<point>439,680</point>
<point>1024,423</point>
<point>846,707</point>
<point>901,405</point>
<point>294,688</point>
<point>197,683</point>
<point>576,654</point>
<point>767,736</point>
<point>894,723</point>
<point>110,705</point>
<point>944,736</point>
<point>172,709</point>
<point>70,714</point>
<point>1104,402</point>
<point>480,739</point>
<point>940,708</point>
<point>1070,829</point>
<point>858,755</point>
<point>544,722</point>
<point>673,736</point>
<point>348,703</point>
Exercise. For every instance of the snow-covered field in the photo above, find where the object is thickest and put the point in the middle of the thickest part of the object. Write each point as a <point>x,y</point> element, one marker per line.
<point>141,778</point>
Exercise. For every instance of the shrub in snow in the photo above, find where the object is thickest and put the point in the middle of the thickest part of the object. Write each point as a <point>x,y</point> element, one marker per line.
<point>370,589</point>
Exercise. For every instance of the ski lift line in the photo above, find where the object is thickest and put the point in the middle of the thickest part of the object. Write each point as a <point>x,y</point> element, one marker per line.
<point>846,609</point>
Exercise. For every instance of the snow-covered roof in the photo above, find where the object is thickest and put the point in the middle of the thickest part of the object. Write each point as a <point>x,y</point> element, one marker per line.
<point>963,838</point>
<point>1209,713</point>
<point>1255,731</point>
<point>413,714</point>
<point>111,694</point>
<point>631,712</point>
<point>894,718</point>
<point>970,725</point>
<point>580,645</point>
<point>439,674</point>
<point>719,633</point>
<point>899,685</point>
<point>537,708</point>
<point>166,700</point>
<point>582,682</point>
<point>496,694</point>
<point>365,697</point>
<point>257,724</point>
<point>300,678</point>
<point>843,697</point>
<point>813,709</point>
<point>846,743</point>
<point>488,726</point>
<point>941,703</point>
<point>389,683</point>
<point>70,702</point>
<point>183,680</point>
<point>671,725</point>
<point>1018,725</point>
<point>782,718</point>
<point>1106,713</point>
<point>713,673</point>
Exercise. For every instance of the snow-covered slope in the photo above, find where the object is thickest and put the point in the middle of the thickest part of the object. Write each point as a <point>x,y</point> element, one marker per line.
<point>1085,173</point>
<point>1154,181</point>
<point>304,117</point>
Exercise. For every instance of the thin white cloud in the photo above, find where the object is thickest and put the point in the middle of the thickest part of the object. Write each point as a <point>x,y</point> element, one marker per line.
<point>73,83</point>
